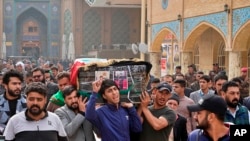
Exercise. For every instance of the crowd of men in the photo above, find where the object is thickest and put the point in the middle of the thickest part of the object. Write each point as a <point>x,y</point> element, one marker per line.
<point>41,104</point>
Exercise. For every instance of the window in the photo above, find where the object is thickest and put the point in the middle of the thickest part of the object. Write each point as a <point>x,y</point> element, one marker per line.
<point>32,29</point>
<point>196,56</point>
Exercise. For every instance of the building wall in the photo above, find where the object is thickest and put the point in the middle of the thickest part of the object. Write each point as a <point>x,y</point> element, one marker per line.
<point>106,17</point>
<point>230,27</point>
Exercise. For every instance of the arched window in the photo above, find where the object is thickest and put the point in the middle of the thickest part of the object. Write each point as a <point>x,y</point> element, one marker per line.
<point>197,56</point>
<point>67,26</point>
<point>120,28</point>
<point>91,30</point>
<point>222,56</point>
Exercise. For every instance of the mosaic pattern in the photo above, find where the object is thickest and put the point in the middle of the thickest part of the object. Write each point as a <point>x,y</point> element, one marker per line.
<point>120,28</point>
<point>40,6</point>
<point>67,26</point>
<point>174,26</point>
<point>91,30</point>
<point>240,17</point>
<point>218,20</point>
<point>164,4</point>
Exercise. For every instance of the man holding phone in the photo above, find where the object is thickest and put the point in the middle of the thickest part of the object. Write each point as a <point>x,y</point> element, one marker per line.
<point>157,119</point>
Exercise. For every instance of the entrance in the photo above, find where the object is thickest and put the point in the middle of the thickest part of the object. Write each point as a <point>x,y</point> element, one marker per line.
<point>31,51</point>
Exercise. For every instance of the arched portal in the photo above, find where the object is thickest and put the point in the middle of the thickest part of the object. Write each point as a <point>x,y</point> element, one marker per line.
<point>31,34</point>
<point>241,43</point>
<point>167,47</point>
<point>204,46</point>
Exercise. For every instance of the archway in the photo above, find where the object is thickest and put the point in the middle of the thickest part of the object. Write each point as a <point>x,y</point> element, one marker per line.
<point>241,44</point>
<point>166,48</point>
<point>204,46</point>
<point>31,34</point>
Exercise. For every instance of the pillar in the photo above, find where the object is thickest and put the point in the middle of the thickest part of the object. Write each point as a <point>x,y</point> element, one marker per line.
<point>234,64</point>
<point>155,59</point>
<point>186,59</point>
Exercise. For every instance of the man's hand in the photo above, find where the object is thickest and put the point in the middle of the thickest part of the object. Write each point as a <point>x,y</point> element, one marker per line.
<point>145,99</point>
<point>127,104</point>
<point>96,85</point>
<point>82,103</point>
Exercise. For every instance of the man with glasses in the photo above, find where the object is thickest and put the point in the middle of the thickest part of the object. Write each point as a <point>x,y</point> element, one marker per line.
<point>38,76</point>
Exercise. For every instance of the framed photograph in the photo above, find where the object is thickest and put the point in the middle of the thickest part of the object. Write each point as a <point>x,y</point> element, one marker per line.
<point>121,79</point>
<point>102,75</point>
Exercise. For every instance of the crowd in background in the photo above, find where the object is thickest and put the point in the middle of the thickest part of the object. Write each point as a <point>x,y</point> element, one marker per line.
<point>176,107</point>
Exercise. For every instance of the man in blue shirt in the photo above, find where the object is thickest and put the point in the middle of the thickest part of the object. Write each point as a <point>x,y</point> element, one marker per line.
<point>114,120</point>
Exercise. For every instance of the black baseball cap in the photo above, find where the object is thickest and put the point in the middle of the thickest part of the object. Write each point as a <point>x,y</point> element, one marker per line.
<point>210,102</point>
<point>164,86</point>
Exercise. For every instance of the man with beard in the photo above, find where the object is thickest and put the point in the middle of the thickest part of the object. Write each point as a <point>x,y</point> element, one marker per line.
<point>236,113</point>
<point>210,112</point>
<point>57,100</point>
<point>38,76</point>
<point>72,115</point>
<point>35,123</point>
<point>158,119</point>
<point>11,101</point>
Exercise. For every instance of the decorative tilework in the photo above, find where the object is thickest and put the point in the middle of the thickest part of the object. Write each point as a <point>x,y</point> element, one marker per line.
<point>91,29</point>
<point>240,17</point>
<point>26,5</point>
<point>218,20</point>
<point>119,28</point>
<point>164,4</point>
<point>174,26</point>
<point>67,26</point>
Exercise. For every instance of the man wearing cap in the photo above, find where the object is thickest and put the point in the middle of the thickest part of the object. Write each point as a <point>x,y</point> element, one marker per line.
<point>245,82</point>
<point>210,112</point>
<point>157,119</point>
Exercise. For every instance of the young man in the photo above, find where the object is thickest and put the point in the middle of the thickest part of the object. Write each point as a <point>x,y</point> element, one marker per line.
<point>35,122</point>
<point>210,112</point>
<point>205,84</point>
<point>179,89</point>
<point>11,101</point>
<point>236,113</point>
<point>179,131</point>
<point>57,100</point>
<point>196,85</point>
<point>157,119</point>
<point>114,119</point>
<point>219,80</point>
<point>190,75</point>
<point>72,115</point>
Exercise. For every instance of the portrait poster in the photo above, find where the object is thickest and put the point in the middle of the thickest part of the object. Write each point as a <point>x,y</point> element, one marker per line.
<point>121,79</point>
<point>102,75</point>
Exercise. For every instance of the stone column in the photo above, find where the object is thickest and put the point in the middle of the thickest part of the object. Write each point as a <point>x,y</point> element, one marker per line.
<point>186,59</point>
<point>155,59</point>
<point>234,64</point>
